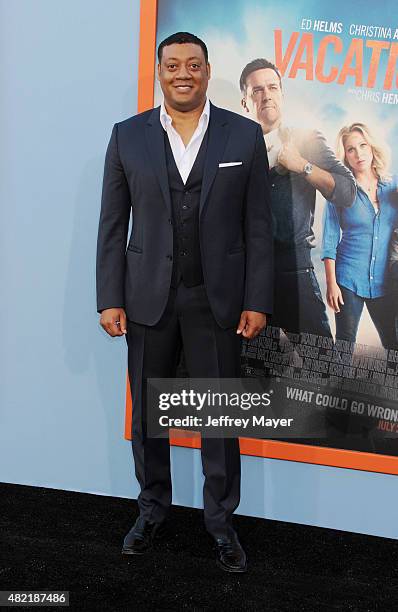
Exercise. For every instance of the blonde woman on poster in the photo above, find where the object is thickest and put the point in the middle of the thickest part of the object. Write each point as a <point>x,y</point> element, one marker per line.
<point>356,240</point>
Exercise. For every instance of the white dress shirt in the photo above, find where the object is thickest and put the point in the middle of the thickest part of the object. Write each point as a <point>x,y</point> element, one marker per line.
<point>184,157</point>
<point>273,143</point>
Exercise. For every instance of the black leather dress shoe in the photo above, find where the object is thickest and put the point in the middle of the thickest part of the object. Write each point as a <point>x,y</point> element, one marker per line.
<point>230,555</point>
<point>140,537</point>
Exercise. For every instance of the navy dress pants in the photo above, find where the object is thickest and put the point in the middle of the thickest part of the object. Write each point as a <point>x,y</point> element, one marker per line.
<point>210,352</point>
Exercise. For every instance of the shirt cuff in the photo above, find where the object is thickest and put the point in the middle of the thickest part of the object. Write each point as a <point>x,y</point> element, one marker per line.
<point>328,255</point>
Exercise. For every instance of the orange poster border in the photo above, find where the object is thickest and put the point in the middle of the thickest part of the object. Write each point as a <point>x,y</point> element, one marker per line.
<point>271,449</point>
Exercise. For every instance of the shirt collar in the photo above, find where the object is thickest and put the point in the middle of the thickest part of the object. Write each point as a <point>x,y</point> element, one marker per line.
<point>273,138</point>
<point>203,122</point>
<point>381,182</point>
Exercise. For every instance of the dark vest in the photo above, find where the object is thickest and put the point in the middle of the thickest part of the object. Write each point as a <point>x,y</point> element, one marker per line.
<point>187,263</point>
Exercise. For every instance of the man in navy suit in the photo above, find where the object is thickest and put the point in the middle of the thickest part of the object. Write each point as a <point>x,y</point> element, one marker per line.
<point>197,272</point>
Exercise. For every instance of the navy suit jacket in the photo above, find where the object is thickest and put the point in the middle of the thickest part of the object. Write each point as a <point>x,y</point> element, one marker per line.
<point>235,226</point>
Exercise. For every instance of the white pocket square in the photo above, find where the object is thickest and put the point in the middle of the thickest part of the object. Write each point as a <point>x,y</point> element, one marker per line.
<point>229,164</point>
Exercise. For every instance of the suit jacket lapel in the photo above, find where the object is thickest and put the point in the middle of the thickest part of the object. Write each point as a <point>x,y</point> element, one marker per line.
<point>218,135</point>
<point>155,143</point>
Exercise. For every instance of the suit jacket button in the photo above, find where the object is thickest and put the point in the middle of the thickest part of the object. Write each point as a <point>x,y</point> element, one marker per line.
<point>169,257</point>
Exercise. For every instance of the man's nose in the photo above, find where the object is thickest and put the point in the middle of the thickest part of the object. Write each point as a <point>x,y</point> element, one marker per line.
<point>183,73</point>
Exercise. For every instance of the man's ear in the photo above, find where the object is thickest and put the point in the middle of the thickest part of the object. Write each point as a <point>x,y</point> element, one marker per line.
<point>208,71</point>
<point>243,103</point>
<point>158,71</point>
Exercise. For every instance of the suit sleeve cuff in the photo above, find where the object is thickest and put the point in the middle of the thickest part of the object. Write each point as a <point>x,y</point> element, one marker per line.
<point>255,308</point>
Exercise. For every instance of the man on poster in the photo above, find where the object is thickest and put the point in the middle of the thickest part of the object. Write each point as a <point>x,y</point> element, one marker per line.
<point>197,273</point>
<point>301,164</point>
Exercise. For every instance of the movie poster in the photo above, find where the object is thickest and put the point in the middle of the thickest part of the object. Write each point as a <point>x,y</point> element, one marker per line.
<point>323,83</point>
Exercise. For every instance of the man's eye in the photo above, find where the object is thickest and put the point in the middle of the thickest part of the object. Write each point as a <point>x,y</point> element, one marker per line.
<point>171,66</point>
<point>195,66</point>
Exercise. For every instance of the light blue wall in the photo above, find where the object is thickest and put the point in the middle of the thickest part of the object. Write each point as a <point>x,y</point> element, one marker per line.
<point>68,72</point>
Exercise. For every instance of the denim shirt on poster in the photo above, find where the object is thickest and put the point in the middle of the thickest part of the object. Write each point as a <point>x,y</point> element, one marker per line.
<point>359,240</point>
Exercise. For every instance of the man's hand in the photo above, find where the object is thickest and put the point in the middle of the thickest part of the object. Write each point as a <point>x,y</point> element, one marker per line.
<point>251,323</point>
<point>114,321</point>
<point>289,157</point>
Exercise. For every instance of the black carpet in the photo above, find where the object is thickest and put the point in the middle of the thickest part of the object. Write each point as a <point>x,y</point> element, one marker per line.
<point>61,540</point>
